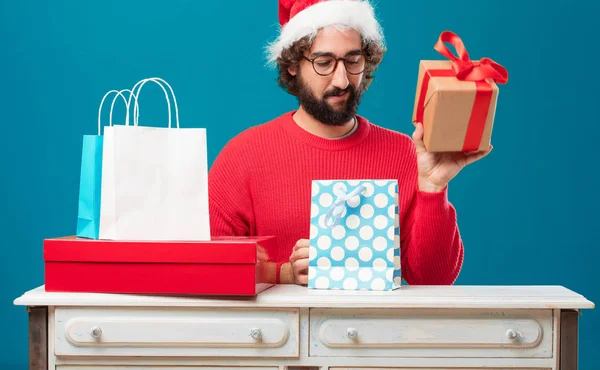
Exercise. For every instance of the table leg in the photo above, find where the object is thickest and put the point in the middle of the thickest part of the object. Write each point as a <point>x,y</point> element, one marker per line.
<point>569,322</point>
<point>38,338</point>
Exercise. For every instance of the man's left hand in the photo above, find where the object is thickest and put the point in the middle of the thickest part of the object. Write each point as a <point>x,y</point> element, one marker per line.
<point>437,169</point>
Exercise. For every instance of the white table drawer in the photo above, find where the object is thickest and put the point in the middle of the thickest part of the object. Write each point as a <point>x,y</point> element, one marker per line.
<point>431,333</point>
<point>176,332</point>
<point>132,367</point>
<point>429,368</point>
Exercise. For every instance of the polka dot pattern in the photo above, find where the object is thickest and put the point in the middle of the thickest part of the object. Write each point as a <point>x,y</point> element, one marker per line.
<point>361,252</point>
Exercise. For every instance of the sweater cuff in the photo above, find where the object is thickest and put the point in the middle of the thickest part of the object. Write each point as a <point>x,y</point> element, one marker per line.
<point>433,204</point>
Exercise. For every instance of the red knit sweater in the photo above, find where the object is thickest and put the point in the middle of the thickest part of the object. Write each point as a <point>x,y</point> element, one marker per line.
<point>260,184</point>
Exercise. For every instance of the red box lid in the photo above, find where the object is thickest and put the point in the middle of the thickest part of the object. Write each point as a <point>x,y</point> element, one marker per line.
<point>226,250</point>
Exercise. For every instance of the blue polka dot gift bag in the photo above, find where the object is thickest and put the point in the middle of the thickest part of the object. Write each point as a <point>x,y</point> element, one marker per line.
<point>354,235</point>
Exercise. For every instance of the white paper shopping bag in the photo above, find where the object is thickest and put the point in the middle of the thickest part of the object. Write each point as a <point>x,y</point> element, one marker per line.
<point>154,179</point>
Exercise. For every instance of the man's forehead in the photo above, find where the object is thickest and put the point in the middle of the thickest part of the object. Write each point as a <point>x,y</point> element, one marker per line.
<point>337,41</point>
<point>317,53</point>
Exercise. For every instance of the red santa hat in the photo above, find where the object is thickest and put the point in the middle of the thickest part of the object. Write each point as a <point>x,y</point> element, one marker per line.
<point>300,18</point>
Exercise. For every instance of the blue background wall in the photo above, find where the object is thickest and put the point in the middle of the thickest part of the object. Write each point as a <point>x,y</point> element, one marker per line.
<point>528,212</point>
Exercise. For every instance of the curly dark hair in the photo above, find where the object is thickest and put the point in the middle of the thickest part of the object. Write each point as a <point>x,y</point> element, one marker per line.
<point>293,55</point>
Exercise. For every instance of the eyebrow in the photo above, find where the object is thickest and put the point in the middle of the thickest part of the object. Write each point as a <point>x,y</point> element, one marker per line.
<point>327,53</point>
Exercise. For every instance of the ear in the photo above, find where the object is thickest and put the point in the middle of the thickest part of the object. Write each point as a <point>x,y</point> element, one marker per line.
<point>293,70</point>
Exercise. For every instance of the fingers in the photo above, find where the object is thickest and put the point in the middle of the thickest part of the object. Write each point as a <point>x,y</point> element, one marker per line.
<point>417,137</point>
<point>300,271</point>
<point>302,279</point>
<point>261,253</point>
<point>300,266</point>
<point>299,254</point>
<point>299,261</point>
<point>302,243</point>
<point>300,250</point>
<point>475,156</point>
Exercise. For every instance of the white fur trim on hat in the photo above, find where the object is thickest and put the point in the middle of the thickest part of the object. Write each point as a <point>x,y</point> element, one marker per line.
<point>353,14</point>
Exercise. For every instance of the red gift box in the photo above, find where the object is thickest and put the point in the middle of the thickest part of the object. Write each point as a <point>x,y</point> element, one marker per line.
<point>222,266</point>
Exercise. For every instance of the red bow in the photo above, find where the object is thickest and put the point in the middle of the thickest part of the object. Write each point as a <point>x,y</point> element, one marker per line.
<point>464,67</point>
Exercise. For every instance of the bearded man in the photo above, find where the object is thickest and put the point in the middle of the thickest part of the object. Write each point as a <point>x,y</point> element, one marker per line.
<point>260,184</point>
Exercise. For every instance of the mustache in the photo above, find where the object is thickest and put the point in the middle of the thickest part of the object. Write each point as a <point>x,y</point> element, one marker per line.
<point>337,91</point>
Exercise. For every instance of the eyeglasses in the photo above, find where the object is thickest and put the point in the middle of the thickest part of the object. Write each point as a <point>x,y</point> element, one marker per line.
<point>325,65</point>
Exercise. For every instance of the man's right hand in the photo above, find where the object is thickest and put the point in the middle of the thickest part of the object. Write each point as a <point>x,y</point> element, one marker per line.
<point>299,262</point>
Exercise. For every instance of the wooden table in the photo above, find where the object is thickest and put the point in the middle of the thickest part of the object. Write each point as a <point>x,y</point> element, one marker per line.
<point>288,327</point>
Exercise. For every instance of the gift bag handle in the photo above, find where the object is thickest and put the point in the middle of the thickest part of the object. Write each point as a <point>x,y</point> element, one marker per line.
<point>334,214</point>
<point>119,93</point>
<point>157,81</point>
<point>126,103</point>
<point>141,83</point>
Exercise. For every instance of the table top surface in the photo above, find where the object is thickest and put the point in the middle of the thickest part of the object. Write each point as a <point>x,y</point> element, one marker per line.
<point>454,296</point>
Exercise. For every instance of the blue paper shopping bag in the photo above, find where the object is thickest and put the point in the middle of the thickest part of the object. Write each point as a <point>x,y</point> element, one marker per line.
<point>354,235</point>
<point>88,211</point>
<point>90,181</point>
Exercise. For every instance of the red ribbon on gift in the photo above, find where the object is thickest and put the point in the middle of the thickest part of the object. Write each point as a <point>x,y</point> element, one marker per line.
<point>464,69</point>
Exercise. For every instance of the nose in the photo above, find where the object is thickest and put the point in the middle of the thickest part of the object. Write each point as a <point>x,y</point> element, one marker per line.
<point>340,77</point>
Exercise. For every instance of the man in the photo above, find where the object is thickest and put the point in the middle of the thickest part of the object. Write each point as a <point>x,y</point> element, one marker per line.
<point>260,184</point>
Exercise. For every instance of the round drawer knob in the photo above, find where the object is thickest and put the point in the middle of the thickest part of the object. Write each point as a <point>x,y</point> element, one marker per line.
<point>512,334</point>
<point>351,333</point>
<point>256,334</point>
<point>96,332</point>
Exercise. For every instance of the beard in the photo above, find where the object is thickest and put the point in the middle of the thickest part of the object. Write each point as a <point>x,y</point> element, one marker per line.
<point>322,111</point>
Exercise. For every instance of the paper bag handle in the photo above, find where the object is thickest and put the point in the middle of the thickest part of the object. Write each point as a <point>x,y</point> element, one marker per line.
<point>119,93</point>
<point>126,104</point>
<point>157,81</point>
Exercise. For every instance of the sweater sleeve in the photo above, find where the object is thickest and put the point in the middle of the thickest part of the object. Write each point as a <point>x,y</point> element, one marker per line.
<point>230,205</point>
<point>432,251</point>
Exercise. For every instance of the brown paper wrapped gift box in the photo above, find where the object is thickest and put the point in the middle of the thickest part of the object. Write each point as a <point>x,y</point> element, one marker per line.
<point>456,99</point>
